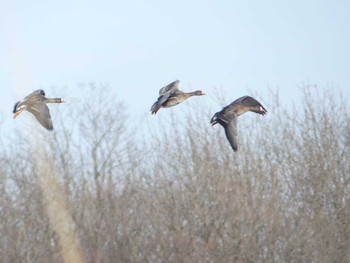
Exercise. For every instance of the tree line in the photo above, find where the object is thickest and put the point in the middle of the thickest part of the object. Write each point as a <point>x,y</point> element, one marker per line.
<point>178,193</point>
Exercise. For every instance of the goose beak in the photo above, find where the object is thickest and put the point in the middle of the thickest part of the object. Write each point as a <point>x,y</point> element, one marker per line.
<point>63,101</point>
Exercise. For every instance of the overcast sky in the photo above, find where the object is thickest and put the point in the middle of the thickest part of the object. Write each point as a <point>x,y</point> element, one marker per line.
<point>139,46</point>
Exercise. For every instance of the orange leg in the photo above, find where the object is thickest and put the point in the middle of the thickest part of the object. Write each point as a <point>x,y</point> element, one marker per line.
<point>18,113</point>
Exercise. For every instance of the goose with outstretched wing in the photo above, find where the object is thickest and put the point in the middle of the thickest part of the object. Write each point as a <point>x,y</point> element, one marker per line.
<point>35,103</point>
<point>170,95</point>
<point>227,117</point>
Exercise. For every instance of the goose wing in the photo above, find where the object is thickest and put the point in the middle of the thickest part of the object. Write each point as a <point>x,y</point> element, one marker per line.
<point>38,92</point>
<point>249,103</point>
<point>173,86</point>
<point>231,133</point>
<point>228,119</point>
<point>162,98</point>
<point>33,98</point>
<point>42,113</point>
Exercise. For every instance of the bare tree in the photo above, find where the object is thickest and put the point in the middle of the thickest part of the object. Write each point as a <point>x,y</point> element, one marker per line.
<point>181,194</point>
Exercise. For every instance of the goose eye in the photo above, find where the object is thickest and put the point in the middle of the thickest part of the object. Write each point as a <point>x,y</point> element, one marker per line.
<point>42,92</point>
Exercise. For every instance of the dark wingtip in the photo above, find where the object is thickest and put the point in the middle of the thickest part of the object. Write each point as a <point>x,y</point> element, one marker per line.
<point>154,109</point>
<point>15,107</point>
<point>49,128</point>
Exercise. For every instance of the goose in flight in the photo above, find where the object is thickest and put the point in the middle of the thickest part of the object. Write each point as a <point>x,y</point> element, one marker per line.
<point>170,95</point>
<point>35,103</point>
<point>227,117</point>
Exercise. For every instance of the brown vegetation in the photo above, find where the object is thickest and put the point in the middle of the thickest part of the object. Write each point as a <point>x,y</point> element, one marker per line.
<point>182,195</point>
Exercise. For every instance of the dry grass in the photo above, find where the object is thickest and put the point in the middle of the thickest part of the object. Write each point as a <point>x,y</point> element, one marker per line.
<point>60,219</point>
<point>182,195</point>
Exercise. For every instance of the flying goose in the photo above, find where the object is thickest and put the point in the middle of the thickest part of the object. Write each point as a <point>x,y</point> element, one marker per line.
<point>227,117</point>
<point>170,95</point>
<point>35,103</point>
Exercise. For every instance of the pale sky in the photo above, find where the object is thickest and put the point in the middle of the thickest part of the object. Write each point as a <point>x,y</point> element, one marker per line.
<point>139,46</point>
